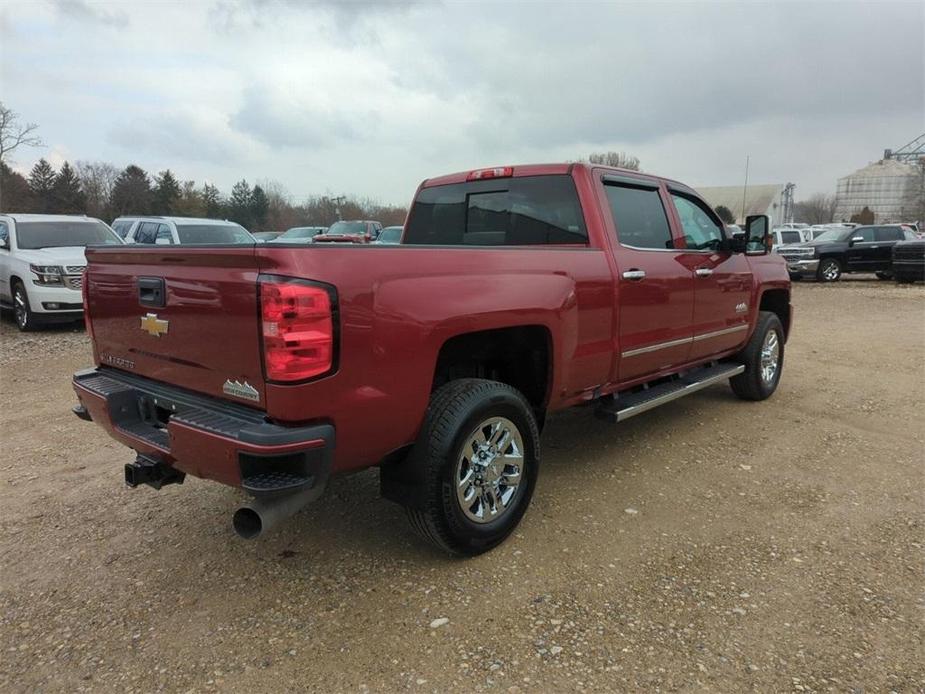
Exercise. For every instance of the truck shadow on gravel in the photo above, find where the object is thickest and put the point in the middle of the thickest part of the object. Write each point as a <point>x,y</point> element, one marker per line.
<point>352,519</point>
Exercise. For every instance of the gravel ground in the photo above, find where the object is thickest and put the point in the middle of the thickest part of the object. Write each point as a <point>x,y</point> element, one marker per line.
<point>711,544</point>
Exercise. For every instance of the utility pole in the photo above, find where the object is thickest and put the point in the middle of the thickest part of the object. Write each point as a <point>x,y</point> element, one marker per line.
<point>745,188</point>
<point>338,201</point>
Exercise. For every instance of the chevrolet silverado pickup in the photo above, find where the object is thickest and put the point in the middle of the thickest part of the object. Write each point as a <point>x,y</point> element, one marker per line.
<point>514,292</point>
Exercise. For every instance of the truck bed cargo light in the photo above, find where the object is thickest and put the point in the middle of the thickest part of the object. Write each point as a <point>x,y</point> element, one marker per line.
<point>499,172</point>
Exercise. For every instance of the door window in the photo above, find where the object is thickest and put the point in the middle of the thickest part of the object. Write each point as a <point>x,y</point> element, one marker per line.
<point>163,235</point>
<point>147,233</point>
<point>866,234</point>
<point>701,231</point>
<point>639,216</point>
<point>4,234</point>
<point>888,234</point>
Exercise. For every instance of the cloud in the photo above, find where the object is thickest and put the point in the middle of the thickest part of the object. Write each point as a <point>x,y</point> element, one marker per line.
<point>370,98</point>
<point>83,11</point>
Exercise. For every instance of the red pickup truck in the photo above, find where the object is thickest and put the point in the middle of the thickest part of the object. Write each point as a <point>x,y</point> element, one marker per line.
<point>515,292</point>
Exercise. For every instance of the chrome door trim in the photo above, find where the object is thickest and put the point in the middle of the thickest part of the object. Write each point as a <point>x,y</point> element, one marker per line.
<point>683,341</point>
<point>656,347</point>
<point>719,333</point>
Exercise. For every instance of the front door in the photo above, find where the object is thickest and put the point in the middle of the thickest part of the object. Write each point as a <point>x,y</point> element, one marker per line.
<point>654,289</point>
<point>864,251</point>
<point>722,280</point>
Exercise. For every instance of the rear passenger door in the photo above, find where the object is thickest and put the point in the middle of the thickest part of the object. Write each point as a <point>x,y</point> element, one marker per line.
<point>886,238</point>
<point>654,289</point>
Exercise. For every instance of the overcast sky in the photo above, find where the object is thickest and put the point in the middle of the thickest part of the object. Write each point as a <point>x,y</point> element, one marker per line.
<point>368,98</point>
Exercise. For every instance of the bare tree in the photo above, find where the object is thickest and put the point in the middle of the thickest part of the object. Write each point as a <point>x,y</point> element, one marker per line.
<point>621,160</point>
<point>97,179</point>
<point>819,209</point>
<point>13,133</point>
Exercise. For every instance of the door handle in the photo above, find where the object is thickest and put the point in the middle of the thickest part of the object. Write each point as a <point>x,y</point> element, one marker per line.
<point>634,275</point>
<point>703,272</point>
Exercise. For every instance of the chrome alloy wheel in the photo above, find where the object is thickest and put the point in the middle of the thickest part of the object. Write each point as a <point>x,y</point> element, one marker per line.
<point>770,357</point>
<point>489,470</point>
<point>22,311</point>
<point>830,270</point>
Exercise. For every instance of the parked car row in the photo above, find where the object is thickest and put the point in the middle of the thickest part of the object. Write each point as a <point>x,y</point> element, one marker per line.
<point>849,249</point>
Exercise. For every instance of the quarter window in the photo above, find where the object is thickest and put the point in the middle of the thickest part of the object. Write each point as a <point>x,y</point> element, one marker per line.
<point>639,216</point>
<point>701,231</point>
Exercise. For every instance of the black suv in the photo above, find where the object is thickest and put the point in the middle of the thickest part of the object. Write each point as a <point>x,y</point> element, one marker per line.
<point>845,249</point>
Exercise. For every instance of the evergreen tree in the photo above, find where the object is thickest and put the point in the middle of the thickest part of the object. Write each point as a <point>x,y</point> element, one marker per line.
<point>190,203</point>
<point>166,193</point>
<point>68,196</point>
<point>259,207</point>
<point>132,193</point>
<point>15,195</point>
<point>725,214</point>
<point>41,185</point>
<point>212,200</point>
<point>239,205</point>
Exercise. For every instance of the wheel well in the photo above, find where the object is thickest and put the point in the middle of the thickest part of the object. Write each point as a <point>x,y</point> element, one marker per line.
<point>519,356</point>
<point>778,301</point>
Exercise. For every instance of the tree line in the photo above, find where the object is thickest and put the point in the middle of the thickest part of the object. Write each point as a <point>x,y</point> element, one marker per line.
<point>99,189</point>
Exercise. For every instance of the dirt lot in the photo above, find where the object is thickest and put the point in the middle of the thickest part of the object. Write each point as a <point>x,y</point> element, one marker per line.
<point>711,544</point>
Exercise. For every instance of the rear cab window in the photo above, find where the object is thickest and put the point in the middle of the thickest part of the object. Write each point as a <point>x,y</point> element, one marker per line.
<point>791,237</point>
<point>517,211</point>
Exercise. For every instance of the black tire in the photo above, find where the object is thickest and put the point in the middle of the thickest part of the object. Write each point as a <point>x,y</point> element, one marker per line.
<point>454,414</point>
<point>750,384</point>
<point>22,311</point>
<point>829,270</point>
<point>904,279</point>
<point>884,275</point>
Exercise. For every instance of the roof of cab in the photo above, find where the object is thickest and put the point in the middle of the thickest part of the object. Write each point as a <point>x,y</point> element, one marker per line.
<point>546,170</point>
<point>20,217</point>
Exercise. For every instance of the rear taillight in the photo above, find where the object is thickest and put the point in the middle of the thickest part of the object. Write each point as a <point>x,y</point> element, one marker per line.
<point>85,298</point>
<point>297,321</point>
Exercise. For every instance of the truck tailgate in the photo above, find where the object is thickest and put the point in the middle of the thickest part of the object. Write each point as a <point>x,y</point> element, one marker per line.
<point>201,332</point>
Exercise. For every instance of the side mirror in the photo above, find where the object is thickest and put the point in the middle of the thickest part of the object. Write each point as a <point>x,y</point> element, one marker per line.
<point>856,239</point>
<point>758,233</point>
<point>5,244</point>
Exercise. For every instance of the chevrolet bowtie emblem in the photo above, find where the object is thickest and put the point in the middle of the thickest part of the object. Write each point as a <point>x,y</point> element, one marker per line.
<point>153,325</point>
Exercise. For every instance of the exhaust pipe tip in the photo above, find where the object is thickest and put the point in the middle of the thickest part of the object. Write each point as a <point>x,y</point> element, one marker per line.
<point>247,523</point>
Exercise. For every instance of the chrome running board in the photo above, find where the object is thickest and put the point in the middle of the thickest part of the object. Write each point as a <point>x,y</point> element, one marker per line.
<point>628,405</point>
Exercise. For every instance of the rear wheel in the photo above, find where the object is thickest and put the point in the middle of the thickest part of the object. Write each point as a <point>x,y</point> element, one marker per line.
<point>829,270</point>
<point>479,454</point>
<point>25,318</point>
<point>763,357</point>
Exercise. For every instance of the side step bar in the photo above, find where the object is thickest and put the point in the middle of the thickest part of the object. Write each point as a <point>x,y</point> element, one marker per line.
<point>629,405</point>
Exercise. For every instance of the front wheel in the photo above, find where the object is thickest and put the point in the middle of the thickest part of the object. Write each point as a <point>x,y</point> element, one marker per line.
<point>763,357</point>
<point>884,275</point>
<point>829,270</point>
<point>478,453</point>
<point>25,318</point>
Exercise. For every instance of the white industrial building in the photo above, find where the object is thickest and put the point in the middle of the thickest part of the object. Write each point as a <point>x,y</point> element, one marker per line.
<point>774,200</point>
<point>888,188</point>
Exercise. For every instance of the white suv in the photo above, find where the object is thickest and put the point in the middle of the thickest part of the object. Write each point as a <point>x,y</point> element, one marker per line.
<point>180,230</point>
<point>42,263</point>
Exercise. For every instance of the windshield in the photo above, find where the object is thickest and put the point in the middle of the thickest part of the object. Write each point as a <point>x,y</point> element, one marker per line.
<point>835,235</point>
<point>390,235</point>
<point>348,228</point>
<point>32,235</point>
<point>213,233</point>
<point>300,233</point>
